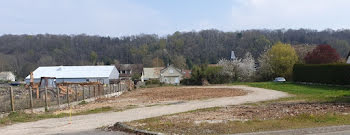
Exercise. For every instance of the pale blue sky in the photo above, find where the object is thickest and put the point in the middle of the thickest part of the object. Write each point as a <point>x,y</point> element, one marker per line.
<point>122,17</point>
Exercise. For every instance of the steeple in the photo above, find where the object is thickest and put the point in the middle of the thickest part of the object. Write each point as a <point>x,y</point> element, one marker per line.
<point>233,56</point>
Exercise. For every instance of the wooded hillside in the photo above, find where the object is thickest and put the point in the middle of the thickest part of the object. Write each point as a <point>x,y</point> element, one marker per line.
<point>23,53</point>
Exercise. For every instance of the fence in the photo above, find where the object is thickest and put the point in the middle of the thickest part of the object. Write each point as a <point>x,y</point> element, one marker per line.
<point>21,98</point>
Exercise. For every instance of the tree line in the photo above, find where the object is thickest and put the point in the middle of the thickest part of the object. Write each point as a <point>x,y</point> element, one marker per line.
<point>23,53</point>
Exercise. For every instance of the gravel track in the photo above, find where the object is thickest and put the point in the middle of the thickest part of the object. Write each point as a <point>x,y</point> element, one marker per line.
<point>86,124</point>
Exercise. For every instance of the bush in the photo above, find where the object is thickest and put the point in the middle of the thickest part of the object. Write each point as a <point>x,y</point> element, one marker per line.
<point>322,54</point>
<point>212,74</point>
<point>325,73</point>
<point>149,82</point>
<point>186,81</point>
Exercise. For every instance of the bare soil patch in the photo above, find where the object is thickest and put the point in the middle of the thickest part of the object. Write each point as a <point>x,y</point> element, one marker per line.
<point>263,112</point>
<point>157,96</point>
<point>248,118</point>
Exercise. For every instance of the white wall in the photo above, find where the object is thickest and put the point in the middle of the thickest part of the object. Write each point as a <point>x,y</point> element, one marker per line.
<point>114,74</point>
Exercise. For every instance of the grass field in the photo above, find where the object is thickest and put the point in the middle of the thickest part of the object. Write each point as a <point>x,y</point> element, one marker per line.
<point>183,123</point>
<point>312,93</point>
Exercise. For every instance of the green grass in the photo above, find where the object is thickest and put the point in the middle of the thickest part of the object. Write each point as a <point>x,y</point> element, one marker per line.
<point>16,117</point>
<point>312,93</point>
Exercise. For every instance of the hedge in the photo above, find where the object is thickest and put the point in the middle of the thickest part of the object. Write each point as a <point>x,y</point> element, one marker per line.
<point>322,73</point>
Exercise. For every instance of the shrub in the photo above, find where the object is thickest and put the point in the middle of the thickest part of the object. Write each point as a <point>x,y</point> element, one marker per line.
<point>239,70</point>
<point>325,73</point>
<point>215,76</point>
<point>212,74</point>
<point>322,54</point>
<point>278,61</point>
<point>149,82</point>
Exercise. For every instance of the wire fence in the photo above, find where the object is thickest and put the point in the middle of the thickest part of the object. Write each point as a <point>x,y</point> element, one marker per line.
<point>20,98</point>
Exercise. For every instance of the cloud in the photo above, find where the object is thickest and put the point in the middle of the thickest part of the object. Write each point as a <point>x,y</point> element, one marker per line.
<point>129,17</point>
<point>315,14</point>
<point>102,17</point>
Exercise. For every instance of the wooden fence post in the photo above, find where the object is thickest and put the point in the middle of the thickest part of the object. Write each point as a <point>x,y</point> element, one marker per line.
<point>46,104</point>
<point>103,90</point>
<point>83,93</point>
<point>99,91</point>
<point>12,100</point>
<point>58,96</point>
<point>89,91</point>
<point>94,91</point>
<point>67,94</point>
<point>110,88</point>
<point>31,98</point>
<point>76,93</point>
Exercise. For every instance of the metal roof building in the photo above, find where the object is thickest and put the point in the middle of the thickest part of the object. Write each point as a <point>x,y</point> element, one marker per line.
<point>101,74</point>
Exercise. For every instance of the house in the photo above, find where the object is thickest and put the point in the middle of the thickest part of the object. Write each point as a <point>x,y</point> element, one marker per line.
<point>102,74</point>
<point>171,75</point>
<point>127,71</point>
<point>348,58</point>
<point>151,73</point>
<point>186,73</point>
<point>7,76</point>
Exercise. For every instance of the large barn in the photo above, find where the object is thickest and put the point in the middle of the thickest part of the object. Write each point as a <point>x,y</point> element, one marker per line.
<point>102,74</point>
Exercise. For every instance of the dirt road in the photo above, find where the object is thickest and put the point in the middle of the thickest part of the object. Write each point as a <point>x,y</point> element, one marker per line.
<point>85,124</point>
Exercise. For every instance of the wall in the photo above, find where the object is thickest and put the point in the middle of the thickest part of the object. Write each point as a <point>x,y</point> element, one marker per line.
<point>170,77</point>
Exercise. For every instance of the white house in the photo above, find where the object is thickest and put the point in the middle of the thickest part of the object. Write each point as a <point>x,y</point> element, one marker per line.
<point>171,75</point>
<point>7,76</point>
<point>102,74</point>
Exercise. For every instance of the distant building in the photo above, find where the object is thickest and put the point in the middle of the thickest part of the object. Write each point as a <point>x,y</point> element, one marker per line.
<point>233,56</point>
<point>186,73</point>
<point>7,76</point>
<point>151,73</point>
<point>348,58</point>
<point>126,71</point>
<point>102,74</point>
<point>171,75</point>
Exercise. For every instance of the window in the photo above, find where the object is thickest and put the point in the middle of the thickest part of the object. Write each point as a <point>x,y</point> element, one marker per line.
<point>171,71</point>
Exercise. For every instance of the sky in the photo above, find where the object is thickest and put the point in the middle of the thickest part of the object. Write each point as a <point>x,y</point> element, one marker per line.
<point>162,17</point>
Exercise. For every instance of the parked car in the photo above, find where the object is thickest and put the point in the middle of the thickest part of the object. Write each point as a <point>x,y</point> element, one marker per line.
<point>280,79</point>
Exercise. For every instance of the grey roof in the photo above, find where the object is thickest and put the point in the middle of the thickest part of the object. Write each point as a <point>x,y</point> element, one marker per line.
<point>164,74</point>
<point>152,73</point>
<point>74,72</point>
